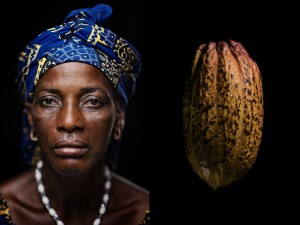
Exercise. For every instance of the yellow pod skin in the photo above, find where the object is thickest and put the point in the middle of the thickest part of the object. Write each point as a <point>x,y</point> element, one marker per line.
<point>222,113</point>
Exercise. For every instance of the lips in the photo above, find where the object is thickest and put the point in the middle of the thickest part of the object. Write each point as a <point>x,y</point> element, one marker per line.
<point>70,149</point>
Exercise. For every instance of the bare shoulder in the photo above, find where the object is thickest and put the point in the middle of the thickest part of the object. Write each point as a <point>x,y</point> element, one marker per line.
<point>124,187</point>
<point>19,189</point>
<point>128,198</point>
<point>21,197</point>
<point>129,186</point>
<point>14,184</point>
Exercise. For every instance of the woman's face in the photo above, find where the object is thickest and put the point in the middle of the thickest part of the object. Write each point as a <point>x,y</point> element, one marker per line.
<point>74,116</point>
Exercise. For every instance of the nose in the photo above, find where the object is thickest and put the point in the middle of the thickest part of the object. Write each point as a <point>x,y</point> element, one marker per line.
<point>70,118</point>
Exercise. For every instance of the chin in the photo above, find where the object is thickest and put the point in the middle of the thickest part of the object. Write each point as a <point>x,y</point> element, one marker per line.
<point>71,167</point>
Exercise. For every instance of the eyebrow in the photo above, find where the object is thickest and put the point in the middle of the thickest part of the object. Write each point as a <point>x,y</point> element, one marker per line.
<point>83,90</point>
<point>92,89</point>
<point>53,91</point>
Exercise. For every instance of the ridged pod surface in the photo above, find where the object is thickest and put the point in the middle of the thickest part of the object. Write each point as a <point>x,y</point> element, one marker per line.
<point>222,113</point>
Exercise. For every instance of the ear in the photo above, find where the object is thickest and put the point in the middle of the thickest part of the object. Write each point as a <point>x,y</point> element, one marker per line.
<point>29,114</point>
<point>119,125</point>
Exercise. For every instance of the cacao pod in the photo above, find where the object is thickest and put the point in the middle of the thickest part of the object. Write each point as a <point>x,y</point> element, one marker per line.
<point>222,113</point>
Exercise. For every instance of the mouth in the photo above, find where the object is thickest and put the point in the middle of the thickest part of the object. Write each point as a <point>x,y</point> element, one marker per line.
<point>70,149</point>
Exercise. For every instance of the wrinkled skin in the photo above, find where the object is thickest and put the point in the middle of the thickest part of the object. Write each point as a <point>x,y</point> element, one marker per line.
<point>71,108</point>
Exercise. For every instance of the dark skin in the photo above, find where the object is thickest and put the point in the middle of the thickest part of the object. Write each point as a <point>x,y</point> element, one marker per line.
<point>75,116</point>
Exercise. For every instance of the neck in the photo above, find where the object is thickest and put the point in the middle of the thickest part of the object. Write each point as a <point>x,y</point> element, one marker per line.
<point>68,191</point>
<point>70,214</point>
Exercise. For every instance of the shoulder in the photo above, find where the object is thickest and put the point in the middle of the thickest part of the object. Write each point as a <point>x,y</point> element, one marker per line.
<point>130,199</point>
<point>18,193</point>
<point>135,194</point>
<point>14,187</point>
<point>129,186</point>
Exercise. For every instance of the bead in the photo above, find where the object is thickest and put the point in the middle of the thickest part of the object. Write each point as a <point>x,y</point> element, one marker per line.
<point>52,212</point>
<point>39,165</point>
<point>38,174</point>
<point>41,188</point>
<point>102,209</point>
<point>59,222</point>
<point>97,221</point>
<point>45,200</point>
<point>107,185</point>
<point>105,198</point>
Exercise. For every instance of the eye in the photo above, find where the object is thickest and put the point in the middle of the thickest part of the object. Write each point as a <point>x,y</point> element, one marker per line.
<point>94,103</point>
<point>48,102</point>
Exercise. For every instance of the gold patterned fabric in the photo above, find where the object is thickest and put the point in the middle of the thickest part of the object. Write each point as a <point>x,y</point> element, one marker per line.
<point>5,218</point>
<point>146,220</point>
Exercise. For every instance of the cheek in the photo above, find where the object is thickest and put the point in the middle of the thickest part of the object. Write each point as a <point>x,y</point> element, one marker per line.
<point>44,125</point>
<point>42,120</point>
<point>100,126</point>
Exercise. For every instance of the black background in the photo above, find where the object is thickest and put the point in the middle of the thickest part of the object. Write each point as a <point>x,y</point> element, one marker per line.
<point>153,151</point>
<point>270,190</point>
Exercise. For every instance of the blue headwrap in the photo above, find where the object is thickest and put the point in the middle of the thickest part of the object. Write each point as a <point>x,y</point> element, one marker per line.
<point>81,38</point>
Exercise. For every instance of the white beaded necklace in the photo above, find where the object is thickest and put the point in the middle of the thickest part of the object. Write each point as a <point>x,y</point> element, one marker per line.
<point>52,212</point>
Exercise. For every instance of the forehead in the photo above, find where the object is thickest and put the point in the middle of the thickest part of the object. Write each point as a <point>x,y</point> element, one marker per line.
<point>74,74</point>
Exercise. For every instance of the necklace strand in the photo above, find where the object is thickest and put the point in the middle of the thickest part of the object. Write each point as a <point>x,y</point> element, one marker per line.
<point>52,212</point>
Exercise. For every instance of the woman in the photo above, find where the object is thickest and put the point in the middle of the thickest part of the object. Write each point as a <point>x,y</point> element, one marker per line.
<point>75,80</point>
